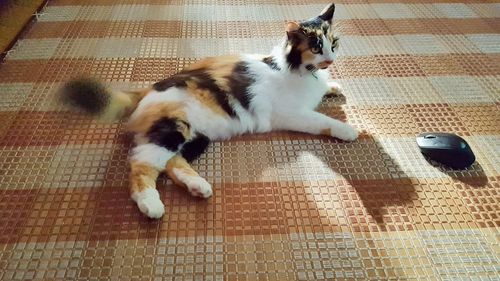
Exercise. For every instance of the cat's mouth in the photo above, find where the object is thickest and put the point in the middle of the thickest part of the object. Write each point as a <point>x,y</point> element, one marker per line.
<point>325,64</point>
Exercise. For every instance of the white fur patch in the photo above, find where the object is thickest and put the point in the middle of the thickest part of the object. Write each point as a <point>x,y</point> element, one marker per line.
<point>152,154</point>
<point>149,202</point>
<point>196,185</point>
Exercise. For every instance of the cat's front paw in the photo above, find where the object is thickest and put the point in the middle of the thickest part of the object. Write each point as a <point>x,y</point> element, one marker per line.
<point>149,203</point>
<point>334,89</point>
<point>345,132</point>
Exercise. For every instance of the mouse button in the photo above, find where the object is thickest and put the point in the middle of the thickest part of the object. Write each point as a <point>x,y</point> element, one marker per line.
<point>422,142</point>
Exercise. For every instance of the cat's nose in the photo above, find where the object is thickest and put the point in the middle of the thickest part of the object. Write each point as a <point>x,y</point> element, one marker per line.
<point>328,62</point>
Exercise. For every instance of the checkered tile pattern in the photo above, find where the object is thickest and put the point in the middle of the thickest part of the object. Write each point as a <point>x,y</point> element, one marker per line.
<point>286,206</point>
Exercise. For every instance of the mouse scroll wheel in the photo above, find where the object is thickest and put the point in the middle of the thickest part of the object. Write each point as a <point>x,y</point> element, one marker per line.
<point>430,137</point>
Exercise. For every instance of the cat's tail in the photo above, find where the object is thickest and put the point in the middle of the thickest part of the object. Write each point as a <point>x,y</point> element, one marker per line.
<point>93,97</point>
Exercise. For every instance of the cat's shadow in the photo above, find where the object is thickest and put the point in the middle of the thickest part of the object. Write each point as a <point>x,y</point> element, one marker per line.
<point>382,188</point>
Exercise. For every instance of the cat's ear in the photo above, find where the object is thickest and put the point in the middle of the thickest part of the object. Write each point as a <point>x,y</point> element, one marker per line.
<point>327,13</point>
<point>292,29</point>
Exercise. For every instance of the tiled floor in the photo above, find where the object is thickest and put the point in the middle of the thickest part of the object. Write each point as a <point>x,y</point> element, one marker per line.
<point>286,206</point>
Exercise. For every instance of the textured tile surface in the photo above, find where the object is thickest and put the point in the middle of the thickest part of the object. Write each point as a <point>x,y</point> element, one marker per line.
<point>286,206</point>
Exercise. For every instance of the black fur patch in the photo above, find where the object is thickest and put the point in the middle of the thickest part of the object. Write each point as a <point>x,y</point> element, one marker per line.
<point>328,14</point>
<point>294,58</point>
<point>174,81</point>
<point>165,132</point>
<point>315,23</point>
<point>87,94</point>
<point>271,63</point>
<point>239,81</point>
<point>195,147</point>
<point>203,80</point>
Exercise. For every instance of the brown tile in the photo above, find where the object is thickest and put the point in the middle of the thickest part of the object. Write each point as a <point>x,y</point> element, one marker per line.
<point>255,208</point>
<point>86,29</point>
<point>115,216</point>
<point>406,26</point>
<point>60,215</point>
<point>356,67</point>
<point>440,65</point>
<point>151,69</point>
<point>480,64</point>
<point>34,129</point>
<point>164,29</point>
<point>24,168</point>
<point>47,30</point>
<point>386,120</point>
<point>482,201</point>
<point>12,71</point>
<point>61,70</point>
<point>479,119</point>
<point>114,69</point>
<point>125,29</point>
<point>7,118</point>
<point>437,118</point>
<point>494,23</point>
<point>440,26</point>
<point>399,66</point>
<point>15,208</point>
<point>371,27</point>
<point>471,26</point>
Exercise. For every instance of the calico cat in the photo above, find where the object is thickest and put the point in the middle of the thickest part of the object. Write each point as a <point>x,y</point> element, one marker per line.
<point>216,98</point>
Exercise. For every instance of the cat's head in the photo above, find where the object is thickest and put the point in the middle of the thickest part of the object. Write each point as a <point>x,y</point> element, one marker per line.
<point>311,44</point>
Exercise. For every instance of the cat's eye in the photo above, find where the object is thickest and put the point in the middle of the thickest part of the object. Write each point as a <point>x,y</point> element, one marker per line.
<point>315,50</point>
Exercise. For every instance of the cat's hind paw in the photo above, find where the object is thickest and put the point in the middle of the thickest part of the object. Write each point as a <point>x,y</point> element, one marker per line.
<point>198,186</point>
<point>149,203</point>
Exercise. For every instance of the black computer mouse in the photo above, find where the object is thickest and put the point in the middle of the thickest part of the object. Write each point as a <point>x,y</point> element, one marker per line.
<point>448,149</point>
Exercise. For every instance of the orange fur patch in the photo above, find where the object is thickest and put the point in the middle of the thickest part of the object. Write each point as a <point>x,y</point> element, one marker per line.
<point>326,132</point>
<point>307,56</point>
<point>206,98</point>
<point>142,176</point>
<point>178,162</point>
<point>219,69</point>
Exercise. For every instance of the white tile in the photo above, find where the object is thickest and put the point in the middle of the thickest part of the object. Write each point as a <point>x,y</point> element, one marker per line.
<point>118,48</point>
<point>487,43</point>
<point>406,154</point>
<point>355,46</point>
<point>421,44</point>
<point>13,95</point>
<point>417,90</point>
<point>34,49</point>
<point>95,13</point>
<point>59,13</point>
<point>455,10</point>
<point>356,11</point>
<point>79,166</point>
<point>458,43</point>
<point>385,45</point>
<point>130,12</point>
<point>486,10</point>
<point>460,89</point>
<point>78,48</point>
<point>372,91</point>
<point>160,48</point>
<point>393,11</point>
<point>425,11</point>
